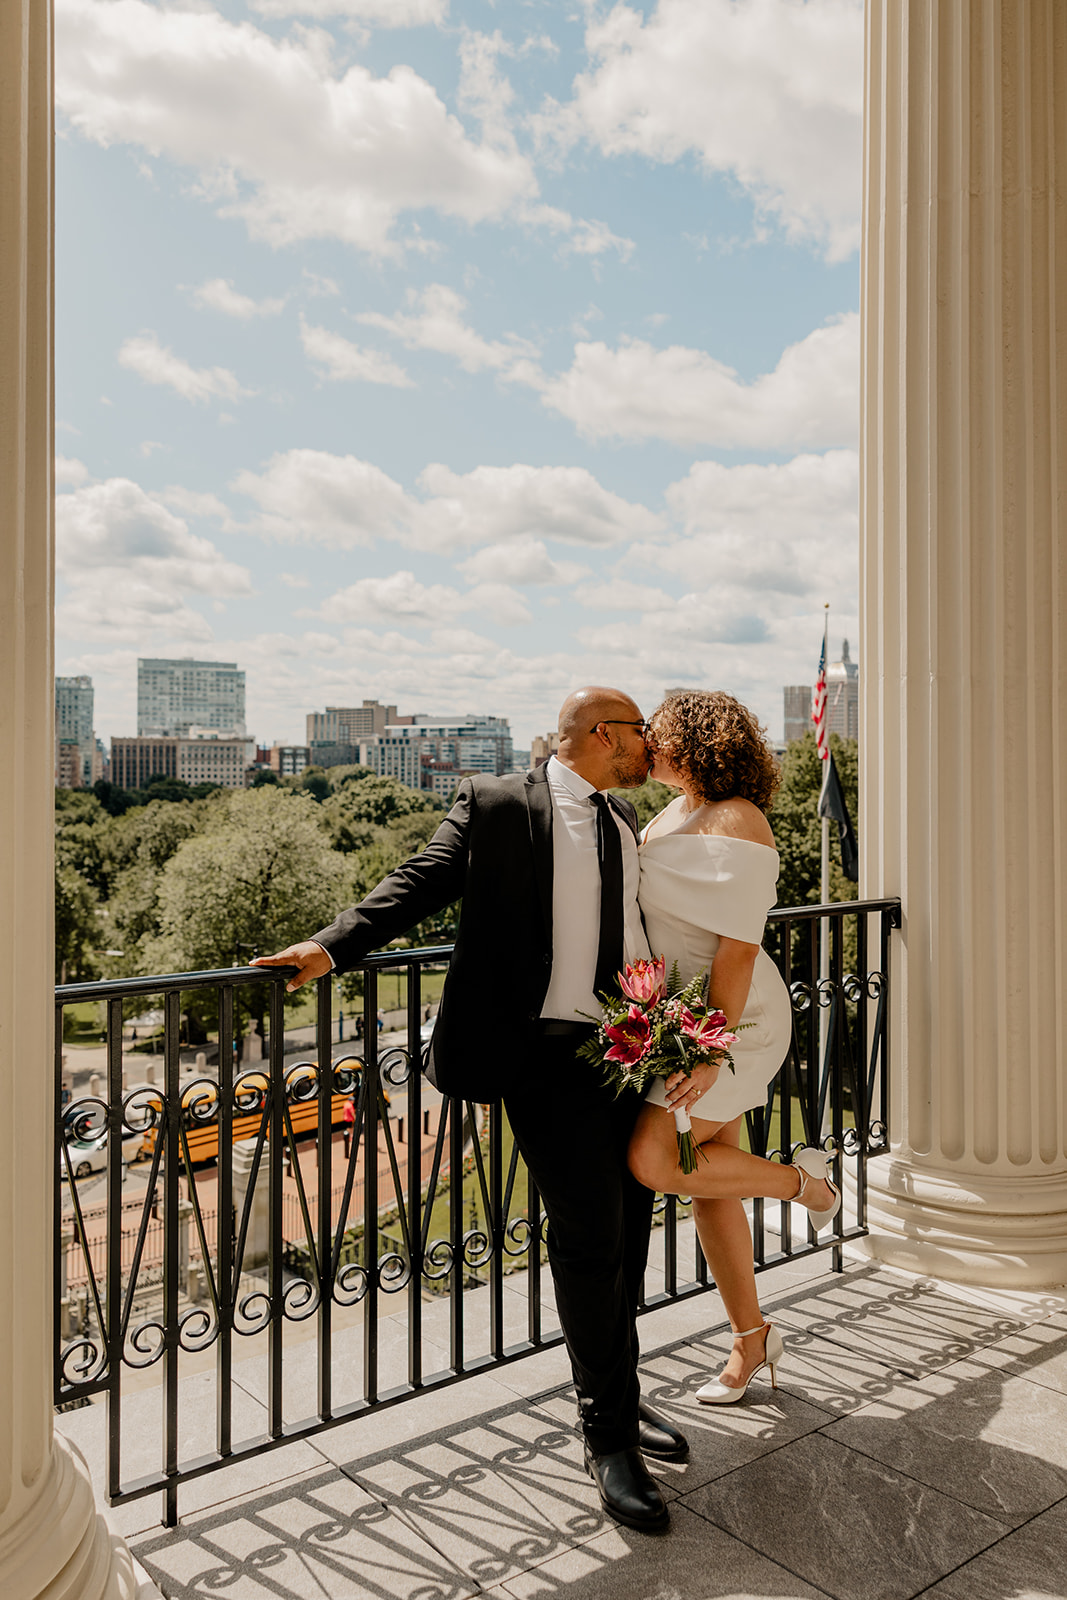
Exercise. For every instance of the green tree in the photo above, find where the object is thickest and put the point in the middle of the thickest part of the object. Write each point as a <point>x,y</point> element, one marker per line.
<point>370,803</point>
<point>262,876</point>
<point>77,926</point>
<point>798,826</point>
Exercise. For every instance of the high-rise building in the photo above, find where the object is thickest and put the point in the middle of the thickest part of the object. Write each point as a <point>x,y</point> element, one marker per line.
<point>542,746</point>
<point>289,760</point>
<point>843,695</point>
<point>433,753</point>
<point>74,728</point>
<point>175,696</point>
<point>350,724</point>
<point>797,718</point>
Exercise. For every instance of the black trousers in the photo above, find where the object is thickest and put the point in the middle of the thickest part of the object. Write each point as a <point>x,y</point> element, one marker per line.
<point>573,1134</point>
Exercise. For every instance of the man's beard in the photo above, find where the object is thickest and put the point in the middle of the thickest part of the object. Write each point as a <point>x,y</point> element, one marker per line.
<point>630,771</point>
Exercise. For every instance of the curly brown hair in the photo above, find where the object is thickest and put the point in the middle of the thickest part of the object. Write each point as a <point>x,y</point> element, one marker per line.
<point>717,744</point>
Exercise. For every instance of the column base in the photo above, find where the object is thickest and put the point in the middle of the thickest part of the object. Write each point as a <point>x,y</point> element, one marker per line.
<point>987,1230</point>
<point>61,1547</point>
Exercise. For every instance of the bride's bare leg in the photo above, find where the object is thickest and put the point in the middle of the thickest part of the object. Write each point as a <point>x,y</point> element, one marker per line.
<point>726,1240</point>
<point>728,1173</point>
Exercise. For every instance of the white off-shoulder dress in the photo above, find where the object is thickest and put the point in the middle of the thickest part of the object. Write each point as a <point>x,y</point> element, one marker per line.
<point>695,889</point>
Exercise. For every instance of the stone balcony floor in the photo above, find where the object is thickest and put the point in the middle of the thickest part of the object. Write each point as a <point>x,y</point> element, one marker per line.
<point>917,1446</point>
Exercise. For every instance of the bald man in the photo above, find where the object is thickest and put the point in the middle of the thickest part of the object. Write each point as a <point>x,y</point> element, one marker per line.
<point>546,866</point>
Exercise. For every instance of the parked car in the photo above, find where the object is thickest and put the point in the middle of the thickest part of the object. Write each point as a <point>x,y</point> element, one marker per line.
<point>90,1155</point>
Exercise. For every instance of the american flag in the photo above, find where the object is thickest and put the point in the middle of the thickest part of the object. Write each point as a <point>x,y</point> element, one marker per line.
<point>818,705</point>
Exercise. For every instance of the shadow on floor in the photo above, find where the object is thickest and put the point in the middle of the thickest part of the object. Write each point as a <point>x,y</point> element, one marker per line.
<point>917,1445</point>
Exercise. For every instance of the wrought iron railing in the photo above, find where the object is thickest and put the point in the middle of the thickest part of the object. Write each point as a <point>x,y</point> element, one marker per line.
<point>244,1216</point>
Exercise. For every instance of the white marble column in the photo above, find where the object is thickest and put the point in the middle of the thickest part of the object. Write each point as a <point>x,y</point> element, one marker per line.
<point>964,598</point>
<point>53,1541</point>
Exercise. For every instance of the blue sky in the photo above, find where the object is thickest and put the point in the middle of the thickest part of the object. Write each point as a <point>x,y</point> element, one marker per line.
<point>456,353</point>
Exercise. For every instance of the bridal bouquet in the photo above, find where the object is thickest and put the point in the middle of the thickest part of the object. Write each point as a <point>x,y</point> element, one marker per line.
<point>654,1029</point>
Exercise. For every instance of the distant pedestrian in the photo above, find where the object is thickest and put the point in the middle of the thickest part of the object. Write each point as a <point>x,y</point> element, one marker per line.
<point>381,1019</point>
<point>350,1120</point>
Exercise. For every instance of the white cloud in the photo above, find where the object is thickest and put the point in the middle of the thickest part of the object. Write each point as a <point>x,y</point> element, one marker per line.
<point>436,322</point>
<point>524,561</point>
<point>400,597</point>
<point>375,13</point>
<point>194,502</point>
<point>128,562</point>
<point>783,536</point>
<point>767,91</point>
<point>311,496</point>
<point>219,294</point>
<point>342,361</point>
<point>69,470</point>
<point>491,505</point>
<point>281,137</point>
<point>295,580</point>
<point>637,391</point>
<point>315,284</point>
<point>339,501</point>
<point>158,364</point>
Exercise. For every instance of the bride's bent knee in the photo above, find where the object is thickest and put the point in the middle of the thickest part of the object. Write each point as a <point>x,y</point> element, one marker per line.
<point>652,1155</point>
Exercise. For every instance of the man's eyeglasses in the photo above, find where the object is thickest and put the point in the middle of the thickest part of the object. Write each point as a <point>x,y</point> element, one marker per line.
<point>619,722</point>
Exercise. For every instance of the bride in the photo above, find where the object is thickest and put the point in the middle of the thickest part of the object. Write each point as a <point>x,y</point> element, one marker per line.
<point>708,874</point>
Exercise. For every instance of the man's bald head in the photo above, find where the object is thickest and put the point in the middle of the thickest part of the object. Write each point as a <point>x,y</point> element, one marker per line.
<point>582,710</point>
<point>601,737</point>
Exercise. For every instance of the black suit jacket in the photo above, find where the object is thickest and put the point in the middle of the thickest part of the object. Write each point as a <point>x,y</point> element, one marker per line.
<point>493,851</point>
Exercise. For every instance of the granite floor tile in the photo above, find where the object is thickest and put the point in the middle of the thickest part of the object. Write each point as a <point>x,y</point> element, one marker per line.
<point>998,1444</point>
<point>845,1523</point>
<point>320,1536</point>
<point>142,1435</point>
<point>831,1376</point>
<point>692,1561</point>
<point>1038,1352</point>
<point>864,1312</point>
<point>1028,1565</point>
<point>425,1416</point>
<point>721,1438</point>
<point>495,1498</point>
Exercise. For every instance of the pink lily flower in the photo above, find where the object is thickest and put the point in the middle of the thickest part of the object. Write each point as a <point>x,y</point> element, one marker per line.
<point>710,1032</point>
<point>631,1038</point>
<point>644,980</point>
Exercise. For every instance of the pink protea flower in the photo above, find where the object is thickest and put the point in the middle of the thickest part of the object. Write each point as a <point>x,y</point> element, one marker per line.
<point>644,980</point>
<point>631,1038</point>
<point>710,1032</point>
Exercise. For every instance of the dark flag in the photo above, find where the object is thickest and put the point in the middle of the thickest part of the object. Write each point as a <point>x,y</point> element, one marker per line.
<point>832,805</point>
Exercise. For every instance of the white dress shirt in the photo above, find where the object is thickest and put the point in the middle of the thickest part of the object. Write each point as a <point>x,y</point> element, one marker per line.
<point>576,896</point>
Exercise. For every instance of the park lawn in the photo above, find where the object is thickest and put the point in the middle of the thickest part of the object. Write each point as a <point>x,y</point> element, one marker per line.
<point>392,996</point>
<point>83,1024</point>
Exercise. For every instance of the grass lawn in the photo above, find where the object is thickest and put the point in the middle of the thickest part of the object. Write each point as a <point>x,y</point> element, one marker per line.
<point>392,996</point>
<point>83,1024</point>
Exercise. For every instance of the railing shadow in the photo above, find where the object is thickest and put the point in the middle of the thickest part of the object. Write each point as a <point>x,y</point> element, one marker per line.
<point>947,1457</point>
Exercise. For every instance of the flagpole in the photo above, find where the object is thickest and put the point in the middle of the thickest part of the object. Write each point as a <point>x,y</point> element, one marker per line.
<point>824,882</point>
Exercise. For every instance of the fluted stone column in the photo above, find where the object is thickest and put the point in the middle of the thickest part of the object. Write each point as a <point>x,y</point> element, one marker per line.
<point>53,1542</point>
<point>964,598</point>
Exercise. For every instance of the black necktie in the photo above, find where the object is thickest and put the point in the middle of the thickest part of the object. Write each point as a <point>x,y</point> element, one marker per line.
<point>609,854</point>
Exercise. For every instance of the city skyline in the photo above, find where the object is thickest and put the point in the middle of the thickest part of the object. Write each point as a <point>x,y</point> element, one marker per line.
<point>549,377</point>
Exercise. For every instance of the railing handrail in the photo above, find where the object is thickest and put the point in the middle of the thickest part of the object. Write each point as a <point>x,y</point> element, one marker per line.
<point>117,988</point>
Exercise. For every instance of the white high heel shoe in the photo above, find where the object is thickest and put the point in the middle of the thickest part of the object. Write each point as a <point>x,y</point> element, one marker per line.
<point>716,1393</point>
<point>816,1164</point>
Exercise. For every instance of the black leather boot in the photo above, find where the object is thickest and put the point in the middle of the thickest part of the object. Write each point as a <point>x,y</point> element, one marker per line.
<point>627,1489</point>
<point>658,1437</point>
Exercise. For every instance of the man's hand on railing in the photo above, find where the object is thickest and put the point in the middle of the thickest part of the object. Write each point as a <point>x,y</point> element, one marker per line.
<point>310,958</point>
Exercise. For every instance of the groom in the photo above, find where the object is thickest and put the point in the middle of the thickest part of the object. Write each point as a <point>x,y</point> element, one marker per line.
<point>546,866</point>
